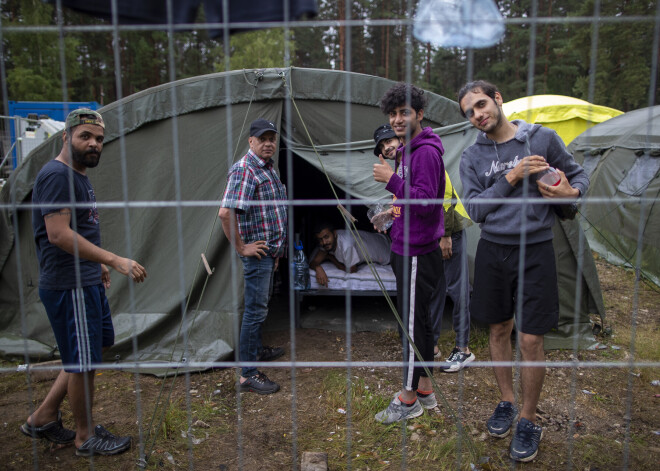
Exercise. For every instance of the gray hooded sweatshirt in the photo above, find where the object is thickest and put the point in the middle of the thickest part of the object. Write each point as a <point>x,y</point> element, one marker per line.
<point>482,169</point>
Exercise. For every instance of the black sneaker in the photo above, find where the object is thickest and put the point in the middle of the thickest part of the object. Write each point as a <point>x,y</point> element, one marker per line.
<point>260,384</point>
<point>103,443</point>
<point>525,443</point>
<point>270,353</point>
<point>499,424</point>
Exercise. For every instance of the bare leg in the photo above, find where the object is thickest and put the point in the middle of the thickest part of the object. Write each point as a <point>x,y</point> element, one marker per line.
<point>425,384</point>
<point>500,350</point>
<point>47,411</point>
<point>531,347</point>
<point>81,404</point>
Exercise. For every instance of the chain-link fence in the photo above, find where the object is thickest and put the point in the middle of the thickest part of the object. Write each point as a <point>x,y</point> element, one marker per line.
<point>185,92</point>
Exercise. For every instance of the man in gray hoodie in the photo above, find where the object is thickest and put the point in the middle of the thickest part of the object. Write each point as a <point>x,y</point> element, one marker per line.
<point>503,192</point>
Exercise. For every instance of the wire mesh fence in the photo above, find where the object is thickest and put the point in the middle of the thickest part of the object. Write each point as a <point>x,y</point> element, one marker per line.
<point>166,156</point>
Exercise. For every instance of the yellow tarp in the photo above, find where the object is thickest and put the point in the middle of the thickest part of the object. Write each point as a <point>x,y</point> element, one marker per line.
<point>570,117</point>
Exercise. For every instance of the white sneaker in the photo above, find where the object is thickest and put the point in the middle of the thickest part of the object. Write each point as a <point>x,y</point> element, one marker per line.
<point>457,361</point>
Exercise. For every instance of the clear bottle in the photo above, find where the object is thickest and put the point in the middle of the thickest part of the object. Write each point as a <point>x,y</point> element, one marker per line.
<point>549,177</point>
<point>380,217</point>
<point>300,268</point>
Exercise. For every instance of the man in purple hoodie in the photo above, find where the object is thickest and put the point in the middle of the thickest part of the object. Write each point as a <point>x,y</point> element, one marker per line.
<point>416,230</point>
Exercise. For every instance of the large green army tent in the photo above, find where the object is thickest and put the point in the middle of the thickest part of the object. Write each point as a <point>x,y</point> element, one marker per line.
<point>163,170</point>
<point>622,214</point>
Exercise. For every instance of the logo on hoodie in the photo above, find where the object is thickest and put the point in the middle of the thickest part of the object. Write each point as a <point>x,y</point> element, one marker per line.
<point>496,166</point>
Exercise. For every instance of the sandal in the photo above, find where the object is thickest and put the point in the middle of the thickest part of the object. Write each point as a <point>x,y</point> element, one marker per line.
<point>52,431</point>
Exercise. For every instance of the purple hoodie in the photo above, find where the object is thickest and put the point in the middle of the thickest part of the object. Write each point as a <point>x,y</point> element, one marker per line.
<point>419,175</point>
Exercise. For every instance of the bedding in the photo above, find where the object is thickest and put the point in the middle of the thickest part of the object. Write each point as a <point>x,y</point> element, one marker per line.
<point>362,280</point>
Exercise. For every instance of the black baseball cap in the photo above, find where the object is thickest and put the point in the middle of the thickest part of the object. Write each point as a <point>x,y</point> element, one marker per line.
<point>382,132</point>
<point>260,126</point>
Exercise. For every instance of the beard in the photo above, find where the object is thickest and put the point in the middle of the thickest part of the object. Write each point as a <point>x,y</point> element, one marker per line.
<point>497,118</point>
<point>89,159</point>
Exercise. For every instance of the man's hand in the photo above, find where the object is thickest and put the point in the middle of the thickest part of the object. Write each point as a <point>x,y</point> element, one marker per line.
<point>105,276</point>
<point>321,277</point>
<point>382,171</point>
<point>255,249</point>
<point>381,217</point>
<point>563,190</point>
<point>528,166</point>
<point>130,268</point>
<point>445,246</point>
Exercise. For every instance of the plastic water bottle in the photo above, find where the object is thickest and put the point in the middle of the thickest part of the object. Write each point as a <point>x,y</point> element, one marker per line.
<point>459,23</point>
<point>300,269</point>
<point>550,177</point>
<point>380,217</point>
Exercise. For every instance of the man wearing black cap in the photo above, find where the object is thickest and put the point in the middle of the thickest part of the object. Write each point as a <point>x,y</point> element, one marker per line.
<point>387,142</point>
<point>73,277</point>
<point>258,232</point>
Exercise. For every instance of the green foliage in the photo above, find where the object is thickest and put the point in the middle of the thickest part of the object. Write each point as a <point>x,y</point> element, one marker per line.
<point>623,58</point>
<point>257,50</point>
<point>546,57</point>
<point>31,86</point>
<point>33,59</point>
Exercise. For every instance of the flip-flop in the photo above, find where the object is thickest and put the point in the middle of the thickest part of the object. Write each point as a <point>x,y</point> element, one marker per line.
<point>52,431</point>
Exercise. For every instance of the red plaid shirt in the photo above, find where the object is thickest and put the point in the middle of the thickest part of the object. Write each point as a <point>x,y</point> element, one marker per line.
<point>252,180</point>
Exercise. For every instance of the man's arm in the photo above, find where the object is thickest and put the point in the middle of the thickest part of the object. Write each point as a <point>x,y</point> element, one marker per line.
<point>338,264</point>
<point>474,191</point>
<point>449,208</point>
<point>61,235</point>
<point>315,264</point>
<point>230,227</point>
<point>318,259</point>
<point>427,180</point>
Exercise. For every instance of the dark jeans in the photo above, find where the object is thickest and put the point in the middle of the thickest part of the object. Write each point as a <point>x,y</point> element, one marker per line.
<point>258,276</point>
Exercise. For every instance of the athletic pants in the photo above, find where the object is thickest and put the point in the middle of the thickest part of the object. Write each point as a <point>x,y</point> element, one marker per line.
<point>418,278</point>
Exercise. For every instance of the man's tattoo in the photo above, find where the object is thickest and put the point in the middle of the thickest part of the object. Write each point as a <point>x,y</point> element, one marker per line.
<point>61,212</point>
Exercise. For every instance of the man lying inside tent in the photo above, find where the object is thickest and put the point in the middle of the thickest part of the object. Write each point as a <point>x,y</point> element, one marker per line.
<point>340,248</point>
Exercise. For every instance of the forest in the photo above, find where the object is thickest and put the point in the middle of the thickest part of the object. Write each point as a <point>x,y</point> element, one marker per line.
<point>603,51</point>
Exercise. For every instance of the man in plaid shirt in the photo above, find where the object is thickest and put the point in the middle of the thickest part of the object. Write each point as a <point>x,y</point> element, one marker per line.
<point>256,227</point>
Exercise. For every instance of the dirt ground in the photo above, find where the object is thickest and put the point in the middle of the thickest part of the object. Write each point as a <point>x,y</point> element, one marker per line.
<point>583,411</point>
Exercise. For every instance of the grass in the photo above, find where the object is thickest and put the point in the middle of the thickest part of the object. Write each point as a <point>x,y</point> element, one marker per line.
<point>430,441</point>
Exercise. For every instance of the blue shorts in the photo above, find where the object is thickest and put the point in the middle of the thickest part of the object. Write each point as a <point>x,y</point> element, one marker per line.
<point>495,290</point>
<point>82,325</point>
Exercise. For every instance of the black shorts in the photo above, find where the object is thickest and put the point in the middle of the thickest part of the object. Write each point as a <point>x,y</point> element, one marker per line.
<point>495,292</point>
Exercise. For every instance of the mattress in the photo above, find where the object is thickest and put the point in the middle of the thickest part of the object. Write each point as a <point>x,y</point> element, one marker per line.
<point>362,280</point>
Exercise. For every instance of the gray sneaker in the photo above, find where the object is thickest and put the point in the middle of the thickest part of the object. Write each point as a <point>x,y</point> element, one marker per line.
<point>397,412</point>
<point>499,424</point>
<point>428,402</point>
